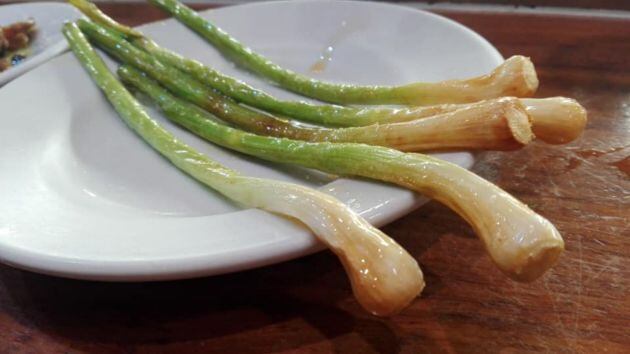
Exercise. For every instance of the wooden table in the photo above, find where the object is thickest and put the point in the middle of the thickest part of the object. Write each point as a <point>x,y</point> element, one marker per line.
<point>582,305</point>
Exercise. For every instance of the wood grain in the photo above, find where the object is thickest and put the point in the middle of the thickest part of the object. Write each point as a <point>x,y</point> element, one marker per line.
<point>581,306</point>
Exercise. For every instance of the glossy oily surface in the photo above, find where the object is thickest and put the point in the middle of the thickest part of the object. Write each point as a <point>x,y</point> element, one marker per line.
<point>48,41</point>
<point>97,203</point>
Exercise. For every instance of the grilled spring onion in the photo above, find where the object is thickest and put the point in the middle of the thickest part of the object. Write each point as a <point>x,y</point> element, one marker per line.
<point>515,77</point>
<point>323,114</point>
<point>384,277</point>
<point>502,126</point>
<point>555,120</point>
<point>522,244</point>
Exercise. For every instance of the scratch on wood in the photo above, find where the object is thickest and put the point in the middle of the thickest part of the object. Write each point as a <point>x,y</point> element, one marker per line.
<point>576,326</point>
<point>609,265</point>
<point>565,333</point>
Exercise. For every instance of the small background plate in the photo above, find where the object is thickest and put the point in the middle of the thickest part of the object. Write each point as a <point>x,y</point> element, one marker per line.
<point>49,42</point>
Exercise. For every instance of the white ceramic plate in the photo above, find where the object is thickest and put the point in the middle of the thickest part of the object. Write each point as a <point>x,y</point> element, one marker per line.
<point>48,42</point>
<point>81,196</point>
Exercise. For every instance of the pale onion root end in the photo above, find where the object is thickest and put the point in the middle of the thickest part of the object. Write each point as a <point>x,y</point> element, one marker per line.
<point>378,307</point>
<point>516,77</point>
<point>556,120</point>
<point>520,126</point>
<point>538,261</point>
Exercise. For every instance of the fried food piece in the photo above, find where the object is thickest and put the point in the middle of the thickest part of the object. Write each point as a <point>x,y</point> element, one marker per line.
<point>13,39</point>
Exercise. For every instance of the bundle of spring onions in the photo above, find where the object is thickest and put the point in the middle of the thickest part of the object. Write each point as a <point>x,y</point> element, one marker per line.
<point>478,113</point>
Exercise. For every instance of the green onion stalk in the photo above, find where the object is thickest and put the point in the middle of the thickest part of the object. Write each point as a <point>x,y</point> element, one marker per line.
<point>515,77</point>
<point>384,277</point>
<point>322,114</point>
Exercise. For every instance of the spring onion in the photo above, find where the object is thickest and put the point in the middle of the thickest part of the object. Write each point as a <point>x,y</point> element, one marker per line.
<point>515,77</point>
